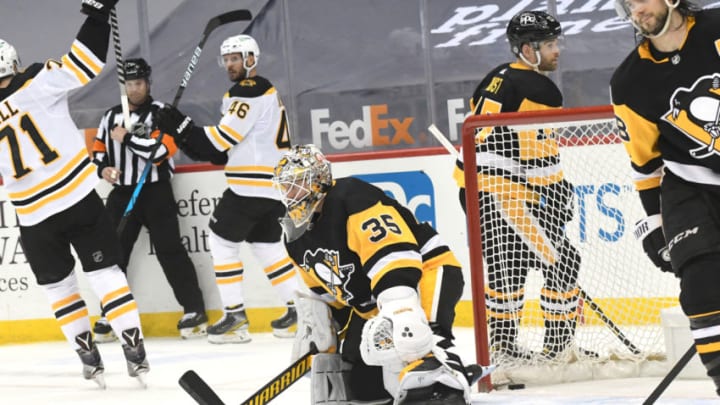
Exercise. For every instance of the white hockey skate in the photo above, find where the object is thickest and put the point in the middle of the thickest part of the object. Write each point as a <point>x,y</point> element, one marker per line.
<point>93,368</point>
<point>134,350</point>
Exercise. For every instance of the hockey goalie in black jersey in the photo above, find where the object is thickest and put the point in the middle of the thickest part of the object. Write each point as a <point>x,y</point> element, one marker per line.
<point>386,279</point>
<point>666,97</point>
<point>51,182</point>
<point>525,200</point>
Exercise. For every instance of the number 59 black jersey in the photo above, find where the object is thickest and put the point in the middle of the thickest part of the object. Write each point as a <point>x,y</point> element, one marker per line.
<point>362,243</point>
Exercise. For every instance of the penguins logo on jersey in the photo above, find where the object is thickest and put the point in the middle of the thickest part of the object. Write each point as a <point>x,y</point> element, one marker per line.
<point>696,113</point>
<point>325,264</point>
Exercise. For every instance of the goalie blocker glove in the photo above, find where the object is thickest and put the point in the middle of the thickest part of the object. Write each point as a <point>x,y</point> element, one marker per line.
<point>98,9</point>
<point>649,232</point>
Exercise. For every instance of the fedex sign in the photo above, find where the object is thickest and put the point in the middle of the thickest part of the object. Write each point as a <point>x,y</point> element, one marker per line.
<point>375,128</point>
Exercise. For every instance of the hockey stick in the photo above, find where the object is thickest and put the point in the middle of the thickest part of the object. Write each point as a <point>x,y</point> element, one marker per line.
<point>671,375</point>
<point>120,65</point>
<point>582,294</point>
<point>197,388</point>
<point>230,16</point>
<point>608,322</point>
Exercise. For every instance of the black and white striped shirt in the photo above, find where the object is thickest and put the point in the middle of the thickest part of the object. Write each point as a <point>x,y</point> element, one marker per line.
<point>131,156</point>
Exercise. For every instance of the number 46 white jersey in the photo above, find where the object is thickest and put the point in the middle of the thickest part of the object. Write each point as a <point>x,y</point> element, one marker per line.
<point>44,162</point>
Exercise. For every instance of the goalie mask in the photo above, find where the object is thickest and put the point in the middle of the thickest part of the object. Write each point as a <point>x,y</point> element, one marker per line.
<point>245,45</point>
<point>8,59</point>
<point>303,177</point>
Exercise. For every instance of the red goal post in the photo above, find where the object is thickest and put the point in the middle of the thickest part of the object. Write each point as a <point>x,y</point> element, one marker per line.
<point>618,315</point>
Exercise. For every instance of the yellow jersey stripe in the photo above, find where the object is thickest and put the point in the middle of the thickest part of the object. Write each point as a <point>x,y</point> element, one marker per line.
<point>77,181</point>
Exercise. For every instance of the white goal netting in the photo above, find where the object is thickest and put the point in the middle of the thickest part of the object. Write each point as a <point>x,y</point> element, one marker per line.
<point>569,293</point>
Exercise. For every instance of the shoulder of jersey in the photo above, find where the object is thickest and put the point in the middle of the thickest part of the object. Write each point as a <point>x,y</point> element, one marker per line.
<point>22,77</point>
<point>357,194</point>
<point>250,87</point>
<point>624,75</point>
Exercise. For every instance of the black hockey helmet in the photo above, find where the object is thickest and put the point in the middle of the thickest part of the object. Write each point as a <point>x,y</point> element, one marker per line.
<point>531,27</point>
<point>137,69</point>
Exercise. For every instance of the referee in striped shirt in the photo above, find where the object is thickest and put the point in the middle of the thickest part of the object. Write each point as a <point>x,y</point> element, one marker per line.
<point>121,156</point>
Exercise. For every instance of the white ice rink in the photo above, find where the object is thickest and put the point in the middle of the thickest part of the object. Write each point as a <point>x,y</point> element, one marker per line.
<point>49,373</point>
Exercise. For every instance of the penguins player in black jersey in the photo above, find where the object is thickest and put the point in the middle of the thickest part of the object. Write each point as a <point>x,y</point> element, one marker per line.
<point>666,97</point>
<point>525,200</point>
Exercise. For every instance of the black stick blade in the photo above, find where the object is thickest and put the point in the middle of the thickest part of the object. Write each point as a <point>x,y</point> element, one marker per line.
<point>230,16</point>
<point>198,389</point>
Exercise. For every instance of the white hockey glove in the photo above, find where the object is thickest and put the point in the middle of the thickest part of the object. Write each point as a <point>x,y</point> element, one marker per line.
<point>315,325</point>
<point>399,333</point>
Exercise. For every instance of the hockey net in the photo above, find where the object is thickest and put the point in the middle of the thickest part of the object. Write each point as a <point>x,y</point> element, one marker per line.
<point>616,307</point>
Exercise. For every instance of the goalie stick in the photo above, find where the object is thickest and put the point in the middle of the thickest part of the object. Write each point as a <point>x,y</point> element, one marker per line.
<point>225,18</point>
<point>582,293</point>
<point>201,392</point>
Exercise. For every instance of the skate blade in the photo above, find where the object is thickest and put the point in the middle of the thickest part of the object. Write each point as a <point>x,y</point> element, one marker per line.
<point>194,332</point>
<point>229,338</point>
<point>141,380</point>
<point>100,381</point>
<point>284,333</point>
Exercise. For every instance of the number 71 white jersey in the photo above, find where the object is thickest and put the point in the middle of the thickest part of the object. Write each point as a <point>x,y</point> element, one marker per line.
<point>44,162</point>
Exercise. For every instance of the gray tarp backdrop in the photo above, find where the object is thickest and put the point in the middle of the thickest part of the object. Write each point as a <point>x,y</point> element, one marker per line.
<point>355,74</point>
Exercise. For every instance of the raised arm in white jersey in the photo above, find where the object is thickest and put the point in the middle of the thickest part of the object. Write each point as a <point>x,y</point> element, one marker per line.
<point>43,161</point>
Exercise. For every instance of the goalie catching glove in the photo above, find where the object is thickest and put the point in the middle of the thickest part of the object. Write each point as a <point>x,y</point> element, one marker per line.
<point>649,232</point>
<point>399,333</point>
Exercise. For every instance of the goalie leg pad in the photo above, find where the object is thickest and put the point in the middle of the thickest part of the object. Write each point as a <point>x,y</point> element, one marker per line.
<point>314,325</point>
<point>430,380</point>
<point>330,379</point>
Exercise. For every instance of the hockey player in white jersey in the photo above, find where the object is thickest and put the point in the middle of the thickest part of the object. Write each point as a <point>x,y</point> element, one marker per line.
<point>250,139</point>
<point>51,182</point>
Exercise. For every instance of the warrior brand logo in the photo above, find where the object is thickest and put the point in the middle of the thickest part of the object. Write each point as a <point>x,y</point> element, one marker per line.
<point>372,130</point>
<point>183,125</point>
<point>696,113</point>
<point>476,25</point>
<point>325,264</point>
<point>281,382</point>
<point>413,190</point>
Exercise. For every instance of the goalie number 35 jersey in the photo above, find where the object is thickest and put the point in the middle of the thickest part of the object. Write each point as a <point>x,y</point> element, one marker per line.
<point>362,243</point>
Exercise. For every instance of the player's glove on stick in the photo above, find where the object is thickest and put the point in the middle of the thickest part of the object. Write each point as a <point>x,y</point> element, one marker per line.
<point>98,9</point>
<point>649,232</point>
<point>171,121</point>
